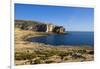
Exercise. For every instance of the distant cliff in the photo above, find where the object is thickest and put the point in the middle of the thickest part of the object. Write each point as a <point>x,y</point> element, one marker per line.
<point>39,26</point>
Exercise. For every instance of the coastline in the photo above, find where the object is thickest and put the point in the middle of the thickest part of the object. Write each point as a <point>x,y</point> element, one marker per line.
<point>40,53</point>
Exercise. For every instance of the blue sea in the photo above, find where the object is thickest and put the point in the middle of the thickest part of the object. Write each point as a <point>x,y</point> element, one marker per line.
<point>70,38</point>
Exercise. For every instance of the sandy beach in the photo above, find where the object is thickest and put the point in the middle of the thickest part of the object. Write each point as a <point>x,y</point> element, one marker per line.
<point>29,53</point>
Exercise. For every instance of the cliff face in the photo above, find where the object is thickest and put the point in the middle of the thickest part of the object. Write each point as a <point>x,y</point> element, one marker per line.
<point>59,29</point>
<point>38,26</point>
<point>50,28</point>
<point>55,29</point>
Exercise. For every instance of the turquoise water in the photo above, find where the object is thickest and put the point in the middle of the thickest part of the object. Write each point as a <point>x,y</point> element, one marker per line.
<point>72,38</point>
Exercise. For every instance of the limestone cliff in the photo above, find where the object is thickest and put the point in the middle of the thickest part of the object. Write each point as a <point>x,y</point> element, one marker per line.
<point>38,26</point>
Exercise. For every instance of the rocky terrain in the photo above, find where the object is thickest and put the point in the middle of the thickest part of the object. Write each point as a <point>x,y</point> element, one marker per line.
<point>39,26</point>
<point>29,53</point>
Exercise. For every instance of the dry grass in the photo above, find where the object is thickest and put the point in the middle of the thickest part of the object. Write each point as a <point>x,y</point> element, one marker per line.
<point>43,53</point>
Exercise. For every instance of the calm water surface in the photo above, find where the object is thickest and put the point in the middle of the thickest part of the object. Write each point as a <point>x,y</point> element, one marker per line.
<point>72,38</point>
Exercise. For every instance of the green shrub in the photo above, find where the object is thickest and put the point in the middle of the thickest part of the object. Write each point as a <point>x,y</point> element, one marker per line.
<point>37,61</point>
<point>66,59</point>
<point>46,53</point>
<point>81,51</point>
<point>43,57</point>
<point>24,56</point>
<point>49,61</point>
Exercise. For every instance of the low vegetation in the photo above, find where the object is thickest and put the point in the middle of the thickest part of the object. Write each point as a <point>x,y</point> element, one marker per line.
<point>38,57</point>
<point>27,53</point>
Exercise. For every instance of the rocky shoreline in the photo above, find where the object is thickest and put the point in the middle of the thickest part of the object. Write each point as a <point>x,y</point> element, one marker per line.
<point>29,53</point>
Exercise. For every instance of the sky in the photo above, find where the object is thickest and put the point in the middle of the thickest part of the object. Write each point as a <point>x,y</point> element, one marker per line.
<point>71,18</point>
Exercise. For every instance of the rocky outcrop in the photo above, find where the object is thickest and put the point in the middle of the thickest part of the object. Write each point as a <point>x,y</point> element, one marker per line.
<point>55,29</point>
<point>59,29</point>
<point>50,28</point>
<point>38,26</point>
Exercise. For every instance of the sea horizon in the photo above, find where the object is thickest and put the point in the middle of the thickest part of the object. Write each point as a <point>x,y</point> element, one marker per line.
<point>79,31</point>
